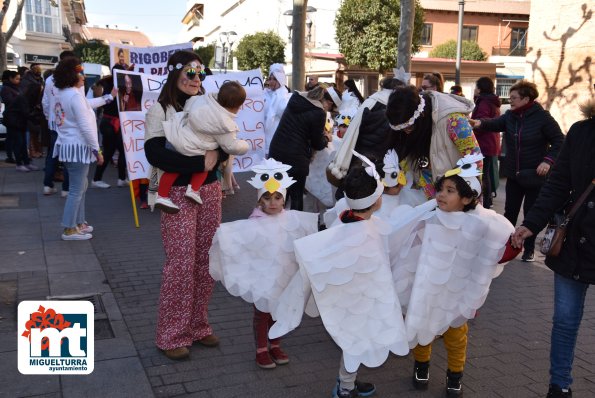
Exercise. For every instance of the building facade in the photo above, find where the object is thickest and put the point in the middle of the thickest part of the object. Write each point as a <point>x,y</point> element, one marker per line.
<point>47,28</point>
<point>560,57</point>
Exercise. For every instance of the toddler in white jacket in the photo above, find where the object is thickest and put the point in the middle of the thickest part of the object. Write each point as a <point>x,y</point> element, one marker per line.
<point>206,123</point>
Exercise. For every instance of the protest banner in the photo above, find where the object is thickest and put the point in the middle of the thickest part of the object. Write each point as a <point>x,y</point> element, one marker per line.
<point>250,118</point>
<point>147,60</point>
<point>137,92</point>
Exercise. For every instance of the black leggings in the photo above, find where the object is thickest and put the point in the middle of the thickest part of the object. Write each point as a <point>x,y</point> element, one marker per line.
<point>515,194</point>
<point>111,142</point>
<point>295,192</point>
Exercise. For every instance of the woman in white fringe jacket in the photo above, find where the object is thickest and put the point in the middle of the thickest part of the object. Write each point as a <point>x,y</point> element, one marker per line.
<point>77,145</point>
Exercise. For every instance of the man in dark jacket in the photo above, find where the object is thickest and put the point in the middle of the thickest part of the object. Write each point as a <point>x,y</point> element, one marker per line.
<point>302,131</point>
<point>11,81</point>
<point>574,267</point>
<point>533,140</point>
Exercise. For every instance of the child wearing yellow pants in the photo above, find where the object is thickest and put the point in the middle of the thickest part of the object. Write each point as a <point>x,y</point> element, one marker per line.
<point>455,342</point>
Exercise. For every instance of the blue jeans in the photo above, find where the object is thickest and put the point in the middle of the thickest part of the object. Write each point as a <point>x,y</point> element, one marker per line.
<point>569,302</point>
<point>74,208</point>
<point>51,164</point>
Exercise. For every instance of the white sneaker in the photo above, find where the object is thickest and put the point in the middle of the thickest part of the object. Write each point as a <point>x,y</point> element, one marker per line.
<point>123,183</point>
<point>64,194</point>
<point>166,205</point>
<point>85,228</point>
<point>24,169</point>
<point>32,167</point>
<point>49,190</point>
<point>76,236</point>
<point>191,194</point>
<point>99,184</point>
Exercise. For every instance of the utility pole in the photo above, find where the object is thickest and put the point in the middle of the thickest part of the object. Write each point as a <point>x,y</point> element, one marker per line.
<point>298,46</point>
<point>459,43</point>
<point>406,35</point>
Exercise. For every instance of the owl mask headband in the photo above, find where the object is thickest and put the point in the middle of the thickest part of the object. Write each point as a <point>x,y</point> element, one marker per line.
<point>393,175</point>
<point>271,176</point>
<point>467,170</point>
<point>364,203</point>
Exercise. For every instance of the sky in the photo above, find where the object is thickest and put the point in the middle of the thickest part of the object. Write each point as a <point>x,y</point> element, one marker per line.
<point>160,20</point>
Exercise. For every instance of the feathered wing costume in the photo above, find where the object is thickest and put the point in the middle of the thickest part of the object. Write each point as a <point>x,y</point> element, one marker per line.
<point>254,258</point>
<point>458,258</point>
<point>349,271</point>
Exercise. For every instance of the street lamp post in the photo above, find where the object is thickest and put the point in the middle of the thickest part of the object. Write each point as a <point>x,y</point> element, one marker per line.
<point>289,22</point>
<point>227,39</point>
<point>295,20</point>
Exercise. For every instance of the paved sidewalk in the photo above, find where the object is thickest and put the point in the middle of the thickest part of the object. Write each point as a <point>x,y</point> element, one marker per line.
<point>508,342</point>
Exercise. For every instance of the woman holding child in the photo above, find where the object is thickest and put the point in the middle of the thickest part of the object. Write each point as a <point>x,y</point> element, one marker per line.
<point>186,285</point>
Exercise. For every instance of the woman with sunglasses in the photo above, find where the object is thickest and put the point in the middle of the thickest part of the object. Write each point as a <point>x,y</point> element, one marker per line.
<point>302,131</point>
<point>186,284</point>
<point>76,145</point>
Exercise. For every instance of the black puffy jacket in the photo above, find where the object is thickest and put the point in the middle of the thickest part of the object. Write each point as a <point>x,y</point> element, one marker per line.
<point>531,137</point>
<point>374,132</point>
<point>572,174</point>
<point>299,134</point>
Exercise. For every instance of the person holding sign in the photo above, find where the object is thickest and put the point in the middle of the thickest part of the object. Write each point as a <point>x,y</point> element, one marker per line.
<point>186,285</point>
<point>207,122</point>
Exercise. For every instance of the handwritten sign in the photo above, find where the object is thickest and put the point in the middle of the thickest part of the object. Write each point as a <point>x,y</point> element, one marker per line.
<point>147,88</point>
<point>147,60</point>
<point>250,118</point>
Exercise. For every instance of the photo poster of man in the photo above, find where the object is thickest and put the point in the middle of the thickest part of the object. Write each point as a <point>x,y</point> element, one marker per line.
<point>137,92</point>
<point>250,118</point>
<point>147,60</point>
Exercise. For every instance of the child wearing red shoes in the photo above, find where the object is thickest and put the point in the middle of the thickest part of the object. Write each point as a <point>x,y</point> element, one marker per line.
<point>254,258</point>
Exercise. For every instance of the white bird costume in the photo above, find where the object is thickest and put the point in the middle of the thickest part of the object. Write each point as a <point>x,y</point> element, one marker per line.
<point>458,259</point>
<point>254,259</point>
<point>391,204</point>
<point>348,270</point>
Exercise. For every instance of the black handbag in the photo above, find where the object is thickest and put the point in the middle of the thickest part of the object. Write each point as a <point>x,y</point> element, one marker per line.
<point>555,232</point>
<point>529,179</point>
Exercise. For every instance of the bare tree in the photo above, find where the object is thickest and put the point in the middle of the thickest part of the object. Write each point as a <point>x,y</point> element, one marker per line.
<point>5,36</point>
<point>406,34</point>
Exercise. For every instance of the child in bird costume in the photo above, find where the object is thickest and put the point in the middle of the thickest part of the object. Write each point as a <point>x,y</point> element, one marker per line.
<point>254,258</point>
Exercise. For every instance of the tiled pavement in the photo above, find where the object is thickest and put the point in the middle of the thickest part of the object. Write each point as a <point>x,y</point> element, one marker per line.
<point>508,342</point>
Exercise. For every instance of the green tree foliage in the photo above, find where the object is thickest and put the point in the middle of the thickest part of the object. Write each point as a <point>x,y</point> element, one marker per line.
<point>93,52</point>
<point>367,32</point>
<point>470,51</point>
<point>260,50</point>
<point>207,54</point>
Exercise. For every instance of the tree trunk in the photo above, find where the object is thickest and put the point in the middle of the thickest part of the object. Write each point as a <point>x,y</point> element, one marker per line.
<point>406,34</point>
<point>5,36</point>
<point>298,44</point>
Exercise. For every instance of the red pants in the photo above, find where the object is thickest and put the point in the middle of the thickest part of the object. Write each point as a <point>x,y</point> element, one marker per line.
<point>167,181</point>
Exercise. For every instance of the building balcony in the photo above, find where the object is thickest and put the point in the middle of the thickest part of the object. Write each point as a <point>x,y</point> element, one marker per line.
<point>511,52</point>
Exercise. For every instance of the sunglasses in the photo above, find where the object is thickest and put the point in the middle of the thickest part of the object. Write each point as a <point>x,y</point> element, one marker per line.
<point>192,72</point>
